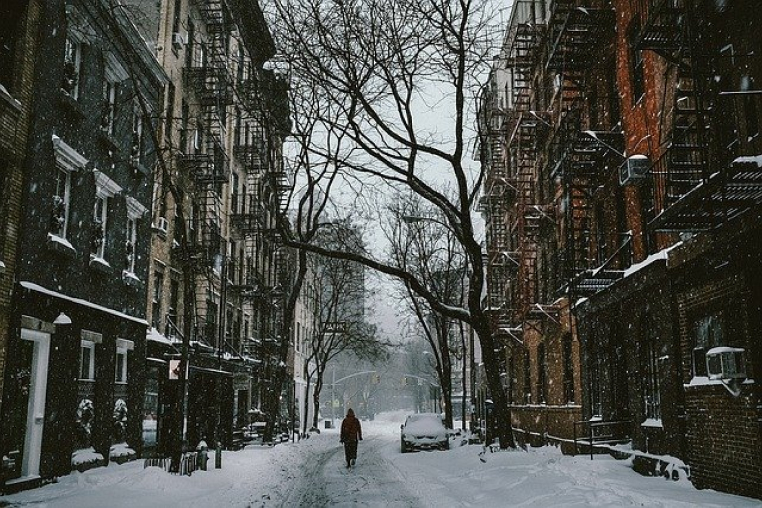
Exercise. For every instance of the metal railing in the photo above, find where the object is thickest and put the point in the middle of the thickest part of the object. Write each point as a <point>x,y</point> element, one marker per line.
<point>600,432</point>
<point>189,462</point>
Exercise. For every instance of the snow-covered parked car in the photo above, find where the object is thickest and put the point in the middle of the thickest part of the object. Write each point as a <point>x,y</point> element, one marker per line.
<point>424,431</point>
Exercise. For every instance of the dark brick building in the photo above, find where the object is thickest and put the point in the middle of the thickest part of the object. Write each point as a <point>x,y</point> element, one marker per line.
<point>17,51</point>
<point>75,356</point>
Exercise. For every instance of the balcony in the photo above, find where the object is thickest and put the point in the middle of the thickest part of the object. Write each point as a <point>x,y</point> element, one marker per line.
<point>205,243</point>
<point>577,29</point>
<point>252,216</point>
<point>210,84</point>
<point>206,168</point>
<point>248,284</point>
<point>690,199</point>
<point>251,154</point>
<point>662,31</point>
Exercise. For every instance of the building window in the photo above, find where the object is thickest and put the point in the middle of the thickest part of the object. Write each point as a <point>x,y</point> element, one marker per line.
<point>109,106</point>
<point>176,16</point>
<point>184,119</point>
<point>568,368</point>
<point>527,379</point>
<point>158,294</point>
<point>12,13</point>
<point>134,212</point>
<point>596,397</point>
<point>122,348</point>
<point>541,374</point>
<point>61,200</point>
<point>651,382</point>
<point>87,360</point>
<point>105,188</point>
<point>68,160</point>
<point>72,67</point>
<point>170,112</point>
<point>129,245</point>
<point>636,61</point>
<point>100,214</point>
<point>708,332</point>
<point>136,147</point>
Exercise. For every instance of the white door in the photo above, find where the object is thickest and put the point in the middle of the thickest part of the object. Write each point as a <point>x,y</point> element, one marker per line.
<point>35,417</point>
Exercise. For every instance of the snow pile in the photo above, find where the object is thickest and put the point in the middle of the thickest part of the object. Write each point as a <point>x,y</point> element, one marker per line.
<point>121,450</point>
<point>86,457</point>
<point>312,473</point>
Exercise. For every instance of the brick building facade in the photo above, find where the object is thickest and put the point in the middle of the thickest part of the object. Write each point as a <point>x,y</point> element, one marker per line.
<point>17,52</point>
<point>633,129</point>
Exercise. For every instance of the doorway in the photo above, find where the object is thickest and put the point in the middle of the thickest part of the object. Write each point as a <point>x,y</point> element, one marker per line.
<point>35,419</point>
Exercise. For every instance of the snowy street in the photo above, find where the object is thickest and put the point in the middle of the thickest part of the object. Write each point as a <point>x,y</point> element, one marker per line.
<point>312,474</point>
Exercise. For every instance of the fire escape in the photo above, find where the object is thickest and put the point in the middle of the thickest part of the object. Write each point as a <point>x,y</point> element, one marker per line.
<point>578,32</point>
<point>206,163</point>
<point>499,191</point>
<point>699,179</point>
<point>522,149</point>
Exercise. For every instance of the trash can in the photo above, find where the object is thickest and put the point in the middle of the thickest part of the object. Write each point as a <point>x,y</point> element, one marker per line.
<point>328,424</point>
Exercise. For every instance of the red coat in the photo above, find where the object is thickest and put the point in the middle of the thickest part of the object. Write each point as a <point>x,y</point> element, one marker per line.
<point>350,429</point>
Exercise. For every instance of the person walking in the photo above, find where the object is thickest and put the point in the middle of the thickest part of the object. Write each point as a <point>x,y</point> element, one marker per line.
<point>351,433</point>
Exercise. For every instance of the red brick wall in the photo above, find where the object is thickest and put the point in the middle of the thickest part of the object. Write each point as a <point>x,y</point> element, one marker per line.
<point>722,431</point>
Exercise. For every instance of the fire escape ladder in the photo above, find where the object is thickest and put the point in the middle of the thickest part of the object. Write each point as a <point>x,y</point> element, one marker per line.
<point>684,164</point>
<point>662,31</point>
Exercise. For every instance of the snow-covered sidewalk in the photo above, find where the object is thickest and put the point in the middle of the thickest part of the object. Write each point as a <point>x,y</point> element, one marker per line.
<point>284,475</point>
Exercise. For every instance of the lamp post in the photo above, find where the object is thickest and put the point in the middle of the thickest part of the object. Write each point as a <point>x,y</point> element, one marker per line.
<point>222,260</point>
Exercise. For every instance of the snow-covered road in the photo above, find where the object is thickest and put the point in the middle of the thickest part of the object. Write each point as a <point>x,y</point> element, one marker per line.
<point>312,474</point>
<point>374,480</point>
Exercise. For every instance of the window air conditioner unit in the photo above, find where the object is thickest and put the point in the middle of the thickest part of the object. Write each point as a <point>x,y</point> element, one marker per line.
<point>726,363</point>
<point>162,224</point>
<point>634,169</point>
<point>178,41</point>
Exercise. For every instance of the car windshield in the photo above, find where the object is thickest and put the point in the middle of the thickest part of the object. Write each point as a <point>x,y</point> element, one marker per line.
<point>424,422</point>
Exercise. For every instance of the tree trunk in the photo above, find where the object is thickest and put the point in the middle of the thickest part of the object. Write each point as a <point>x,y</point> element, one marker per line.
<point>501,411</point>
<point>316,403</point>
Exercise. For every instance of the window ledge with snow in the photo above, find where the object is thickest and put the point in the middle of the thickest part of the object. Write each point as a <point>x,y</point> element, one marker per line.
<point>130,279</point>
<point>654,423</point>
<point>61,245</point>
<point>697,381</point>
<point>99,264</point>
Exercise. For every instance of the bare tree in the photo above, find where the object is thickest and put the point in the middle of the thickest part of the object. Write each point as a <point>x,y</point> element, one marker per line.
<point>423,244</point>
<point>393,82</point>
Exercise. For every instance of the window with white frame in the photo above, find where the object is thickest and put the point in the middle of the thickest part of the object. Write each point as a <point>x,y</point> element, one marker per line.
<point>123,346</point>
<point>68,160</point>
<point>61,200</point>
<point>105,188</point>
<point>87,354</point>
<point>72,67</point>
<point>87,361</point>
<point>136,148</point>
<point>109,106</point>
<point>135,211</point>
